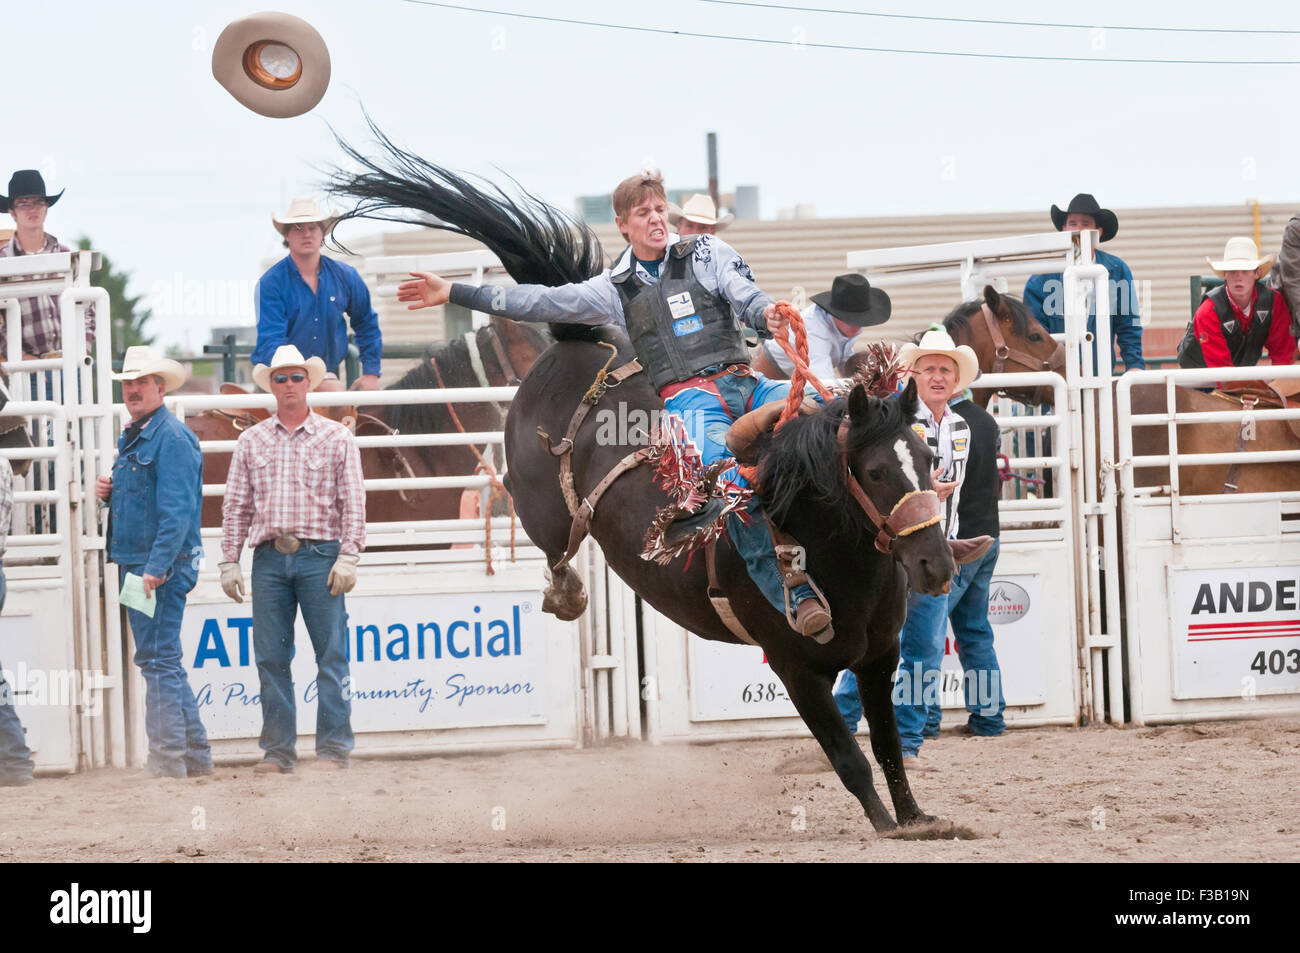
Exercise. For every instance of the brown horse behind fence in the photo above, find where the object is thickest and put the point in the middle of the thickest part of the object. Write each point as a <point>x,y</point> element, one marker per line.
<point>503,352</point>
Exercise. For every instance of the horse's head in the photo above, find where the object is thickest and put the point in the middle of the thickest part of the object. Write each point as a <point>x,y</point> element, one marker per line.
<point>859,472</point>
<point>1007,338</point>
<point>521,344</point>
<point>889,466</point>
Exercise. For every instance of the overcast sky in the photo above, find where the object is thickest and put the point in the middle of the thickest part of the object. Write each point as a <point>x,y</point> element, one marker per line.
<point>177,181</point>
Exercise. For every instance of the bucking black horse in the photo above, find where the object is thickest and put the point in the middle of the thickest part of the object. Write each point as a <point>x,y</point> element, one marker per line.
<point>819,476</point>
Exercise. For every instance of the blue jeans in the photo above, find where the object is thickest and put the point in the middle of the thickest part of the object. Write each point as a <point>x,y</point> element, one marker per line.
<point>178,745</point>
<point>916,689</point>
<point>968,610</point>
<point>281,585</point>
<point>15,757</point>
<point>707,416</point>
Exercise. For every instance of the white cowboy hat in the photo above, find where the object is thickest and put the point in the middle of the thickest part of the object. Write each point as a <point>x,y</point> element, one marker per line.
<point>700,210</point>
<point>275,64</point>
<point>301,211</point>
<point>938,341</point>
<point>1240,254</point>
<point>142,360</point>
<point>286,355</point>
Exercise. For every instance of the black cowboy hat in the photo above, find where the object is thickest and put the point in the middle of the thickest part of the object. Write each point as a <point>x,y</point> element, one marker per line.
<point>1085,204</point>
<point>854,301</point>
<point>27,182</point>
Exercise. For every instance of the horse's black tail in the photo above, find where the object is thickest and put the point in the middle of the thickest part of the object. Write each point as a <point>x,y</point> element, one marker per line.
<point>536,243</point>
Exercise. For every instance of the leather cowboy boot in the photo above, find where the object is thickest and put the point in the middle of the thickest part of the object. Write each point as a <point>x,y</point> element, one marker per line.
<point>812,619</point>
<point>688,524</point>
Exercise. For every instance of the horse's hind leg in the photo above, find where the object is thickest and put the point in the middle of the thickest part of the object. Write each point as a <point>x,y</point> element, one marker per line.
<point>875,685</point>
<point>565,596</point>
<point>811,694</point>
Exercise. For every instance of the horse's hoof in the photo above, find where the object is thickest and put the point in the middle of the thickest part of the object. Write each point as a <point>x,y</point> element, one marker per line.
<point>565,606</point>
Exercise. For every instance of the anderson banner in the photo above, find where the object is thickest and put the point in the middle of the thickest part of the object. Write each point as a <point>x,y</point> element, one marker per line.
<point>432,660</point>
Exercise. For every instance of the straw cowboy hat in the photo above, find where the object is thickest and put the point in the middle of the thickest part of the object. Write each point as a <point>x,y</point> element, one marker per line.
<point>275,64</point>
<point>854,301</point>
<point>27,182</point>
<point>286,355</point>
<point>1240,254</point>
<point>142,361</point>
<point>1084,204</point>
<point>700,210</point>
<point>938,341</point>
<point>301,211</point>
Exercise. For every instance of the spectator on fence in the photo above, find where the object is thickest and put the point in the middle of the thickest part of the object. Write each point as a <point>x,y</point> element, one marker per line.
<point>941,369</point>
<point>301,300</point>
<point>698,216</point>
<point>155,494</point>
<point>16,764</point>
<point>833,322</point>
<point>968,598</point>
<point>1286,276</point>
<point>1045,294</point>
<point>29,204</point>
<point>295,495</point>
<point>1238,320</point>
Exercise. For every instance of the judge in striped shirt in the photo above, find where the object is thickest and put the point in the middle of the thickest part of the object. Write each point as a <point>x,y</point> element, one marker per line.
<point>941,369</point>
<point>295,494</point>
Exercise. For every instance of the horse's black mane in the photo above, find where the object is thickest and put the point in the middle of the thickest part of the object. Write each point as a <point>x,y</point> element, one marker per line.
<point>536,243</point>
<point>801,462</point>
<point>957,322</point>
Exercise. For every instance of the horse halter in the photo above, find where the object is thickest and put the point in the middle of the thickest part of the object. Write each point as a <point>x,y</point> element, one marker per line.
<point>916,509</point>
<point>1001,352</point>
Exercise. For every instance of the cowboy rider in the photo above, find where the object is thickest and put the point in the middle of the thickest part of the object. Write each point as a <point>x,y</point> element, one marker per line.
<point>1237,321</point>
<point>833,321</point>
<point>680,320</point>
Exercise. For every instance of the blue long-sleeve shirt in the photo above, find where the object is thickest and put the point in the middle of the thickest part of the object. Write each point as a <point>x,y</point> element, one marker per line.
<point>157,496</point>
<point>717,266</point>
<point>1045,296</point>
<point>289,312</point>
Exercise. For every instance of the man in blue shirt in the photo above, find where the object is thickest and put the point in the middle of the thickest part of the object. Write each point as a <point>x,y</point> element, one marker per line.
<point>302,298</point>
<point>1045,294</point>
<point>155,495</point>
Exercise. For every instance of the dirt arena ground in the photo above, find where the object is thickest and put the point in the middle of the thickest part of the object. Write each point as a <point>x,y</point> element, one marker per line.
<point>1221,791</point>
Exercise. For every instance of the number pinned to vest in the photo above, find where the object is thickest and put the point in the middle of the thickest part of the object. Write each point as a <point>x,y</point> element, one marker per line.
<point>681,305</point>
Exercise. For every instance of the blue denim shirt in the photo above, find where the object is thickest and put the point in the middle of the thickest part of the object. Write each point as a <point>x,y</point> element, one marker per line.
<point>288,312</point>
<point>157,497</point>
<point>1045,297</point>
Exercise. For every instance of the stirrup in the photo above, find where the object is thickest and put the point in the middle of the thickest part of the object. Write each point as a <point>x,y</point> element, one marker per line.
<point>822,636</point>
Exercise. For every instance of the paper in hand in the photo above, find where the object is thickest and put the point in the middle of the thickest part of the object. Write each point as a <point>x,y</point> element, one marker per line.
<point>133,597</point>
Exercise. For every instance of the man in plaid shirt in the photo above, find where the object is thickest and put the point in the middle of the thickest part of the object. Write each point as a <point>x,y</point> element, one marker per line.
<point>295,494</point>
<point>28,204</point>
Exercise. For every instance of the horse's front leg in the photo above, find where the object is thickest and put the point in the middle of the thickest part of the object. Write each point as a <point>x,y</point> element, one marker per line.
<point>875,685</point>
<point>811,693</point>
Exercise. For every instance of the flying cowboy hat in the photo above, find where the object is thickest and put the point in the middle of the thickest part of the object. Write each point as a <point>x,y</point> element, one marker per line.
<point>286,355</point>
<point>937,341</point>
<point>700,210</point>
<point>1240,254</point>
<point>1085,204</point>
<point>142,361</point>
<point>301,211</point>
<point>27,182</point>
<point>854,301</point>
<point>275,64</point>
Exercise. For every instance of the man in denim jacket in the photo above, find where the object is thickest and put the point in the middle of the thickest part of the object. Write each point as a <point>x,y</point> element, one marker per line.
<point>156,495</point>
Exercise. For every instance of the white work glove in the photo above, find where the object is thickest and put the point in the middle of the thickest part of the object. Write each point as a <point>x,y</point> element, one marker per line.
<point>232,580</point>
<point>344,574</point>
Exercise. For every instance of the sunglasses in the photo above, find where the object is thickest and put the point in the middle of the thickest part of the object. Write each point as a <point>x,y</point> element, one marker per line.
<point>297,377</point>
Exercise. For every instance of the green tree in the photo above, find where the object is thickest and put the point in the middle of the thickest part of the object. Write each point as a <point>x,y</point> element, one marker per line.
<point>128,317</point>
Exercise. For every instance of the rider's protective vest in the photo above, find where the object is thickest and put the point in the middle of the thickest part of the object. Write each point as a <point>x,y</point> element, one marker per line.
<point>678,328</point>
<point>1245,345</point>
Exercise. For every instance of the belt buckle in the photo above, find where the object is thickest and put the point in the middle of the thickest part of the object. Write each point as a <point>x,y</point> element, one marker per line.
<point>287,545</point>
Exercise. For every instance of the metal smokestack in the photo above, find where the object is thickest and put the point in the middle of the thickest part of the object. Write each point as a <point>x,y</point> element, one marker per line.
<point>712,140</point>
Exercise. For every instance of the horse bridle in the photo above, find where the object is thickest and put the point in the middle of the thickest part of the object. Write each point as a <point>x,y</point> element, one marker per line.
<point>916,510</point>
<point>1002,353</point>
